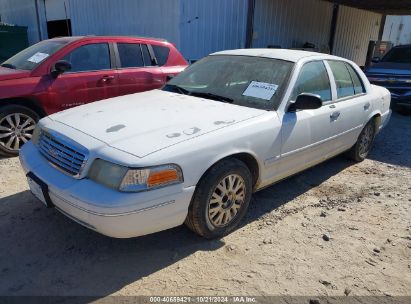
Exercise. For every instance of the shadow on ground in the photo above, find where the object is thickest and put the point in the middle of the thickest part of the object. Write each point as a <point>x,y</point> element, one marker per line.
<point>393,144</point>
<point>44,253</point>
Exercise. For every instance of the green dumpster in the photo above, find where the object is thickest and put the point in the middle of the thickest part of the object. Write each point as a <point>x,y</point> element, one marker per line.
<point>13,39</point>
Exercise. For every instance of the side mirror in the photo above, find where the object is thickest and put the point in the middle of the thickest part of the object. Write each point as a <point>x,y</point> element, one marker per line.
<point>60,67</point>
<point>306,101</point>
<point>375,59</point>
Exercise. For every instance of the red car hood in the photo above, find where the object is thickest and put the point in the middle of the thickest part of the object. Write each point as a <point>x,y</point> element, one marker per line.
<point>6,74</point>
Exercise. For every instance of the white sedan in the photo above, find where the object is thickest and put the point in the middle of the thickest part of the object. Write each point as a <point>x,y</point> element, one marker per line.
<point>195,151</point>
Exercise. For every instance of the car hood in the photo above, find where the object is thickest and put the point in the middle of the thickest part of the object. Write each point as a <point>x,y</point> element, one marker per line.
<point>393,68</point>
<point>7,74</point>
<point>143,123</point>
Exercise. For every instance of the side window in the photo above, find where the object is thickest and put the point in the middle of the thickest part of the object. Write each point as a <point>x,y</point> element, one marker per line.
<point>313,79</point>
<point>89,57</point>
<point>358,85</point>
<point>161,53</point>
<point>342,77</point>
<point>146,55</point>
<point>130,55</point>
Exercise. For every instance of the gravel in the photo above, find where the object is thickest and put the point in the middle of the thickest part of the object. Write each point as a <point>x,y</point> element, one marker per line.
<point>277,251</point>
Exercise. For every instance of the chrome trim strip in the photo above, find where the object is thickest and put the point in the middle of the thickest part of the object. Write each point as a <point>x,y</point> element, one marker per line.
<point>114,214</point>
<point>70,157</point>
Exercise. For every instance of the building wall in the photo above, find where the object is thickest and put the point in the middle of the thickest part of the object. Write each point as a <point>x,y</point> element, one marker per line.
<point>23,12</point>
<point>212,25</point>
<point>291,23</point>
<point>355,28</point>
<point>55,9</point>
<point>397,29</point>
<point>154,18</point>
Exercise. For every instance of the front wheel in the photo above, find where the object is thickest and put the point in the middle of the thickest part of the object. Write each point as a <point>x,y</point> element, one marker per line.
<point>221,199</point>
<point>17,124</point>
<point>364,142</point>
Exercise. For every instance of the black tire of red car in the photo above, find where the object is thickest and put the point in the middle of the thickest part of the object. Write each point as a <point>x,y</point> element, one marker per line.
<point>362,147</point>
<point>17,124</point>
<point>209,202</point>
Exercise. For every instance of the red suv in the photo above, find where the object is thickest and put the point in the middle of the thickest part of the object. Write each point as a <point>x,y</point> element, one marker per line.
<point>60,73</point>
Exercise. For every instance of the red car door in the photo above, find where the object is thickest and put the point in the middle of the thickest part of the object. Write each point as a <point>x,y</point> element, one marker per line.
<point>137,71</point>
<point>91,78</point>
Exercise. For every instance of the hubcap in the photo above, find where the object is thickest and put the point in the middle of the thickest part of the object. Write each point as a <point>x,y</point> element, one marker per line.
<point>15,130</point>
<point>365,140</point>
<point>226,200</point>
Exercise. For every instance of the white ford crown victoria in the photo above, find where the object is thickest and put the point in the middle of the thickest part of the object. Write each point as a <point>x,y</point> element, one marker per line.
<point>195,151</point>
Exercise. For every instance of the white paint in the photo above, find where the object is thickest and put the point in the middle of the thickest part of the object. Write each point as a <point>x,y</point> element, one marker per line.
<point>282,143</point>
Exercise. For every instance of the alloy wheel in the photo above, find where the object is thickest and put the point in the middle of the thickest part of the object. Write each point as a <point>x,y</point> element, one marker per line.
<point>15,130</point>
<point>226,200</point>
<point>366,140</point>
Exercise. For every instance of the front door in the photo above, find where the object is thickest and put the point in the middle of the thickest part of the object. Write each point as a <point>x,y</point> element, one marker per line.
<point>308,136</point>
<point>91,78</point>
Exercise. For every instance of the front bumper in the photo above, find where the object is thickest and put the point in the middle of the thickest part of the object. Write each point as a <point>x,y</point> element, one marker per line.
<point>109,212</point>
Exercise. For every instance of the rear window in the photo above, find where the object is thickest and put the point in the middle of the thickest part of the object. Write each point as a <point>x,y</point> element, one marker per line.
<point>342,78</point>
<point>146,55</point>
<point>130,55</point>
<point>161,53</point>
<point>358,85</point>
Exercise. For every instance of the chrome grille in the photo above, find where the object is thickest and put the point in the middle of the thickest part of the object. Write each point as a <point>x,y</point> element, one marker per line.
<point>61,154</point>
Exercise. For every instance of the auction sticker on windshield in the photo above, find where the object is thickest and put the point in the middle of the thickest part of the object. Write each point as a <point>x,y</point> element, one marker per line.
<point>262,90</point>
<point>36,58</point>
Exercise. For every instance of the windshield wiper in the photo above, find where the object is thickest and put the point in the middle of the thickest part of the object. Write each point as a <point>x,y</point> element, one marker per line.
<point>8,65</point>
<point>212,96</point>
<point>177,89</point>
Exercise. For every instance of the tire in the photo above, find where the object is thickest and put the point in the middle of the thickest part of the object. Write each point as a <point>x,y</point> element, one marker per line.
<point>210,209</point>
<point>362,147</point>
<point>17,124</point>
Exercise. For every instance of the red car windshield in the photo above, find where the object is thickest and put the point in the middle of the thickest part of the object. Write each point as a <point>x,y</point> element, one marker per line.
<point>30,58</point>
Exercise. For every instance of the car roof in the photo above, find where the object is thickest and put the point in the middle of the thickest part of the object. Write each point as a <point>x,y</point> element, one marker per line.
<point>283,54</point>
<point>74,38</point>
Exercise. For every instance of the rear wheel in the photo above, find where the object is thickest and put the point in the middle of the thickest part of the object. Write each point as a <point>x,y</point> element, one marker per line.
<point>221,199</point>
<point>17,124</point>
<point>364,142</point>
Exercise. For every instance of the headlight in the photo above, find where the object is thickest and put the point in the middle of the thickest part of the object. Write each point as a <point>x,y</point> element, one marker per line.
<point>106,173</point>
<point>36,135</point>
<point>134,180</point>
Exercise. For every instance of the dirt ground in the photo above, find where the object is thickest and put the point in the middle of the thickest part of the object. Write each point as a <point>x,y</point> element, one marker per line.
<point>338,228</point>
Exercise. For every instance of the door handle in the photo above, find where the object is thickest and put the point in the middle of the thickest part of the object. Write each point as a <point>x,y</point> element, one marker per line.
<point>367,106</point>
<point>107,78</point>
<point>335,115</point>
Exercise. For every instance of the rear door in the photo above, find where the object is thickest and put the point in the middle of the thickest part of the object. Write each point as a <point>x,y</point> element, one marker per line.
<point>137,68</point>
<point>91,78</point>
<point>353,104</point>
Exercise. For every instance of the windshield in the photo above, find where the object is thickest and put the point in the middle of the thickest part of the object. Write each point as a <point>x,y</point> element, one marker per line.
<point>399,55</point>
<point>242,80</point>
<point>31,57</point>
